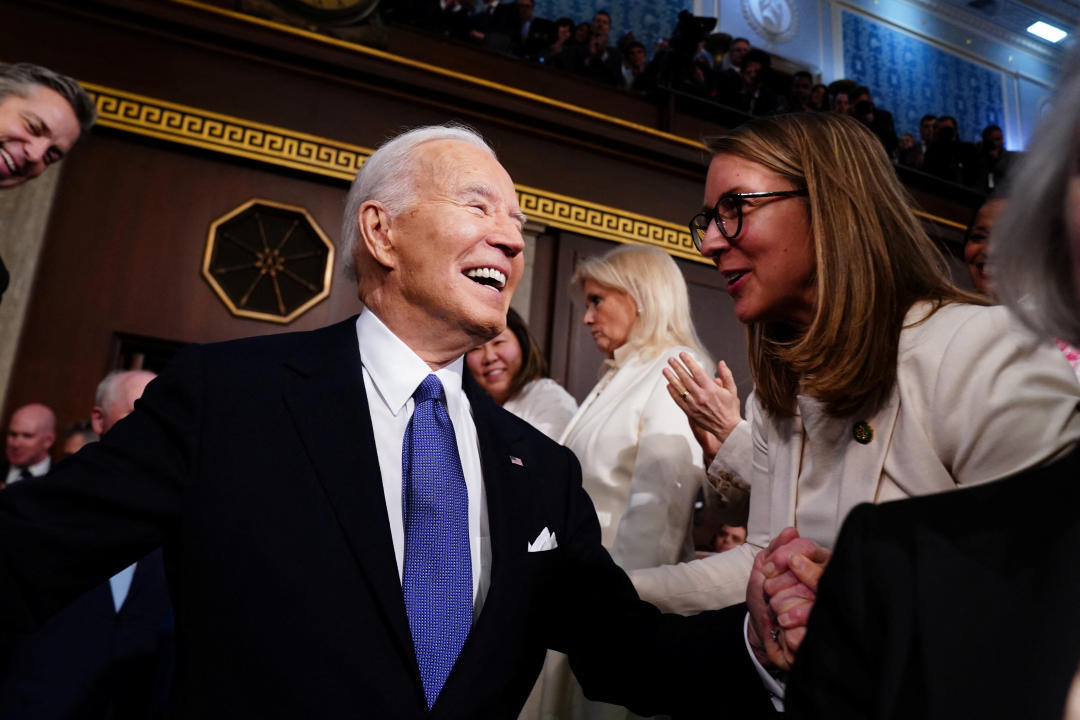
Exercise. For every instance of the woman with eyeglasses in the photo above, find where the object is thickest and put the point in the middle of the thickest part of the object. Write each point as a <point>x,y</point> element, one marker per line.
<point>875,377</point>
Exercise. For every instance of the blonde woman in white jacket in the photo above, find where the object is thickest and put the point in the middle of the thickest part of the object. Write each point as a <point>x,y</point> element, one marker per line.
<point>640,462</point>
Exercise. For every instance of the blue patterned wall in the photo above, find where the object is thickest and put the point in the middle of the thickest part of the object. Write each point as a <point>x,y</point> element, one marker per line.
<point>650,20</point>
<point>910,78</point>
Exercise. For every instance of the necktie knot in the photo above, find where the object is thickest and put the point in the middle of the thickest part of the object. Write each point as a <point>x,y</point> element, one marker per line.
<point>429,389</point>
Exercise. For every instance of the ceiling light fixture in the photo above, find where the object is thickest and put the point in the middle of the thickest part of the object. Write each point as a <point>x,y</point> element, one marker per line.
<point>1047,31</point>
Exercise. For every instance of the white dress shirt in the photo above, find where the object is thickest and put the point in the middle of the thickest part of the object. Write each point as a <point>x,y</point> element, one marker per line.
<point>37,470</point>
<point>392,372</point>
<point>120,584</point>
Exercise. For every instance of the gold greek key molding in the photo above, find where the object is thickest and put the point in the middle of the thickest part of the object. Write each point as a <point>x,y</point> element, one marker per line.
<point>230,135</point>
<point>580,216</point>
<point>281,147</point>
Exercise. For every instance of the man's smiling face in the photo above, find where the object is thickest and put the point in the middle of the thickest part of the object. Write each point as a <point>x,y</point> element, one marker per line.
<point>35,131</point>
<point>459,244</point>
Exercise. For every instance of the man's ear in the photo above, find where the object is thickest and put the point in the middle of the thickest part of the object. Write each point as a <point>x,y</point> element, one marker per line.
<point>97,420</point>
<point>374,222</point>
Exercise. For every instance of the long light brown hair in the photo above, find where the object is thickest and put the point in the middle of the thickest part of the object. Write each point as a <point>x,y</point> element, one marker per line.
<point>873,261</point>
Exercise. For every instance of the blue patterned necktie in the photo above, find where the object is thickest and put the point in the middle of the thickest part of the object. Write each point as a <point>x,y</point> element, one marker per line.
<point>437,578</point>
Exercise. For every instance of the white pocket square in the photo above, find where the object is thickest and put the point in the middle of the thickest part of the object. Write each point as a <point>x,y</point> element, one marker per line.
<point>544,541</point>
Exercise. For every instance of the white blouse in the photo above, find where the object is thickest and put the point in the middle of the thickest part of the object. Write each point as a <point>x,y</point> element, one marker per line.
<point>545,405</point>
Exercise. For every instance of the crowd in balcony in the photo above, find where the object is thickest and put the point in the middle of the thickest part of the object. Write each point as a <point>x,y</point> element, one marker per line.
<point>711,66</point>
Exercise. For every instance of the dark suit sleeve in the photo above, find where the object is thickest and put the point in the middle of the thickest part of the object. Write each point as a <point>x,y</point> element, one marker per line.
<point>855,655</point>
<point>624,651</point>
<point>103,508</point>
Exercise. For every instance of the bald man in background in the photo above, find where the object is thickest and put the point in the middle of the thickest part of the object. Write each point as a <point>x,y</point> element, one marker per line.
<point>102,657</point>
<point>30,434</point>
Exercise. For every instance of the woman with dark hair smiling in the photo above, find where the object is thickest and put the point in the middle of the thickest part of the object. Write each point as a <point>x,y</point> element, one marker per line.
<point>513,371</point>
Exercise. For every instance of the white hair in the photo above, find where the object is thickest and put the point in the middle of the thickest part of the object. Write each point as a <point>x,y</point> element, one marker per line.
<point>106,389</point>
<point>1030,242</point>
<point>387,177</point>
<point>657,286</point>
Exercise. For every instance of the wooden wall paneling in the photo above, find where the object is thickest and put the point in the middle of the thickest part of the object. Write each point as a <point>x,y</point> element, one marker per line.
<point>575,361</point>
<point>713,312</point>
<point>545,253</point>
<point>123,254</point>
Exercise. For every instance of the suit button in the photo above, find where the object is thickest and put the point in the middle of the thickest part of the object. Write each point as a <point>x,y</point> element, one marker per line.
<point>863,432</point>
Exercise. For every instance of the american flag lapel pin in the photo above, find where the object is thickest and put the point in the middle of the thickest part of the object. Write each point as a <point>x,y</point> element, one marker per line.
<point>516,461</point>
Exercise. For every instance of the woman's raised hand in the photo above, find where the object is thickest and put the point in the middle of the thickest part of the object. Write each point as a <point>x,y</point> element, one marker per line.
<point>711,404</point>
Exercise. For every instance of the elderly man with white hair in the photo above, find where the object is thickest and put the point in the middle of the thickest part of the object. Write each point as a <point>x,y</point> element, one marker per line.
<point>351,527</point>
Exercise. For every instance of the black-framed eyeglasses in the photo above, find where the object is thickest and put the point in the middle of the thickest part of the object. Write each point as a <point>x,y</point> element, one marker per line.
<point>728,213</point>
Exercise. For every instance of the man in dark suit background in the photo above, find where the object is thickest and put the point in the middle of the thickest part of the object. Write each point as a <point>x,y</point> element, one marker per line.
<point>100,657</point>
<point>306,537</point>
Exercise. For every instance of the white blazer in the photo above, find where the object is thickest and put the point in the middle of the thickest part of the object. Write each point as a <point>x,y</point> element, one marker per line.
<point>640,463</point>
<point>977,398</point>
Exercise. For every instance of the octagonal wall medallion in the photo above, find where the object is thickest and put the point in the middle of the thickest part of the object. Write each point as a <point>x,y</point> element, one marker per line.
<point>268,261</point>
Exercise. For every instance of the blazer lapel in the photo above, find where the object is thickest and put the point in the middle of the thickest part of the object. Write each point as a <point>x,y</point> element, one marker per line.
<point>325,395</point>
<point>863,457</point>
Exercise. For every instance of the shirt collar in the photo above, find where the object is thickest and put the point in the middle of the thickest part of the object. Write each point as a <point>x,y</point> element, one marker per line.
<point>395,370</point>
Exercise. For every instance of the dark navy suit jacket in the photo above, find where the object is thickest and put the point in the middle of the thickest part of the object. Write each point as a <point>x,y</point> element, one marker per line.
<point>954,605</point>
<point>253,464</point>
<point>89,661</point>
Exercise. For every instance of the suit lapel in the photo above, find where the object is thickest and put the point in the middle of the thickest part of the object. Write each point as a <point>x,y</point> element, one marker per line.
<point>501,491</point>
<point>325,396</point>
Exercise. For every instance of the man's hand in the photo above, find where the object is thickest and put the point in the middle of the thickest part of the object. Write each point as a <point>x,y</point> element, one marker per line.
<point>763,631</point>
<point>792,572</point>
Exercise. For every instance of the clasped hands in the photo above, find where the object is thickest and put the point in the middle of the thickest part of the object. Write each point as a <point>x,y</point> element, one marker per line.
<point>780,595</point>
